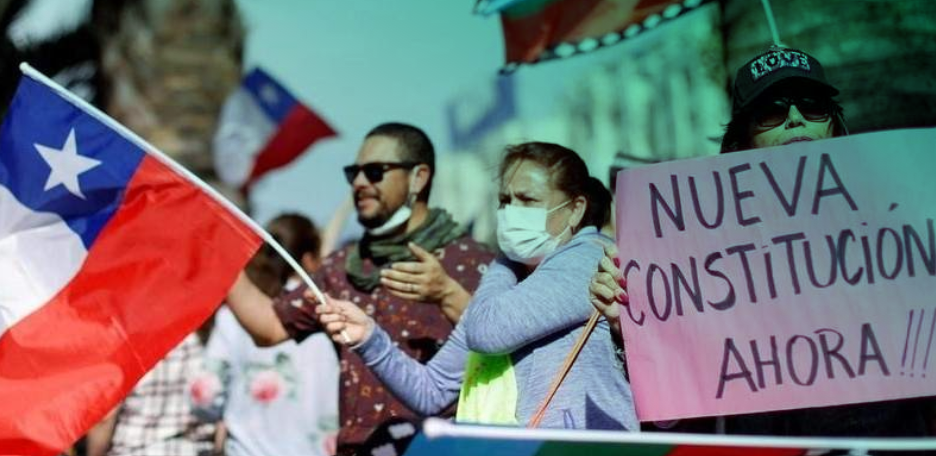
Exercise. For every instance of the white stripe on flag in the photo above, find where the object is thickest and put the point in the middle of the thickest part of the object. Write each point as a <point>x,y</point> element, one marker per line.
<point>39,255</point>
<point>243,130</point>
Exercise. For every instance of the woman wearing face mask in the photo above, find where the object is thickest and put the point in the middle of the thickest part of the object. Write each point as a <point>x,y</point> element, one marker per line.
<point>526,315</point>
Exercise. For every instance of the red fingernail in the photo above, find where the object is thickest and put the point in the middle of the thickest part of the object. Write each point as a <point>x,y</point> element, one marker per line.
<point>622,282</point>
<point>621,298</point>
<point>617,262</point>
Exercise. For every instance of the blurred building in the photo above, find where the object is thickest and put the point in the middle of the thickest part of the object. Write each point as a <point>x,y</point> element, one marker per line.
<point>881,54</point>
<point>664,94</point>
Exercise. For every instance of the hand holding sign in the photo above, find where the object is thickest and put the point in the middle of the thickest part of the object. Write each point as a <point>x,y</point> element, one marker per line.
<point>606,289</point>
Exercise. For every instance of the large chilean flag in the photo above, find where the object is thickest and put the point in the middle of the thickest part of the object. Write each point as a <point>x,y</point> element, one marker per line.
<point>108,258</point>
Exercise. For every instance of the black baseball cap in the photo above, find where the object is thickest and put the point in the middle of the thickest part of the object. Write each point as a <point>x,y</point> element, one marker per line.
<point>777,64</point>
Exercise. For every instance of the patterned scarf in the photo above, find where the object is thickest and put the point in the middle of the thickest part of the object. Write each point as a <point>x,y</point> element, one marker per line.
<point>437,231</point>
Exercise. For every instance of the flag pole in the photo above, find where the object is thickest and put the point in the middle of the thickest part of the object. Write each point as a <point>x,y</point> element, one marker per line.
<point>175,166</point>
<point>771,22</point>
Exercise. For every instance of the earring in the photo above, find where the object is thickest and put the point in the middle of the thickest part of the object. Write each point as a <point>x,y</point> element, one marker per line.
<point>411,198</point>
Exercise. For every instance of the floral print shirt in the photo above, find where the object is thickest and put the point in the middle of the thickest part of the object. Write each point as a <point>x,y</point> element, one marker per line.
<point>418,328</point>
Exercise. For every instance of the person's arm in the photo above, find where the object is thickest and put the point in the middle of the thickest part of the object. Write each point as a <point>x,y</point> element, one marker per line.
<point>210,386</point>
<point>425,280</point>
<point>454,301</point>
<point>505,315</point>
<point>219,439</point>
<point>254,311</point>
<point>98,439</point>
<point>427,389</point>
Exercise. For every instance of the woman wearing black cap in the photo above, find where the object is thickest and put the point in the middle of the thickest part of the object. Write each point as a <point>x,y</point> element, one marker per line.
<point>781,97</point>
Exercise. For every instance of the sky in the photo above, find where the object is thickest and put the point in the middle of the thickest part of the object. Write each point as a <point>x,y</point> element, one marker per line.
<point>358,64</point>
<point>364,62</point>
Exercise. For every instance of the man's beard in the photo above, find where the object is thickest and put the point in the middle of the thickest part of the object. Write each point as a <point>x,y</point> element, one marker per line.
<point>379,217</point>
<point>374,221</point>
<point>383,224</point>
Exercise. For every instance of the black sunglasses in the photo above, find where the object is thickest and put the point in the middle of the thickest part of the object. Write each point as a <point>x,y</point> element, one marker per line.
<point>775,111</point>
<point>374,172</point>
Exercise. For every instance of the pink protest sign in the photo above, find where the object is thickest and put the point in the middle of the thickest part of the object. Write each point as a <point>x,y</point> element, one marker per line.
<point>782,278</point>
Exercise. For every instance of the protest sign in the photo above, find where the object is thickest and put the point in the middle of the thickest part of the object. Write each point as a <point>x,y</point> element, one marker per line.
<point>781,278</point>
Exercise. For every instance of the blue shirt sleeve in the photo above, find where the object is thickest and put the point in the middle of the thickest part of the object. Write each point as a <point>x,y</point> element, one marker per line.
<point>506,315</point>
<point>427,389</point>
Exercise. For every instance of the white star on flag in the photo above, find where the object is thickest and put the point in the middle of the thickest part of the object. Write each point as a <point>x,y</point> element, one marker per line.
<point>66,165</point>
<point>269,94</point>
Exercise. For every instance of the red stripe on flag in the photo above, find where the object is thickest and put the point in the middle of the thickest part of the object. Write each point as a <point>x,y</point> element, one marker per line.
<point>159,268</point>
<point>698,450</point>
<point>525,38</point>
<point>295,134</point>
<point>528,32</point>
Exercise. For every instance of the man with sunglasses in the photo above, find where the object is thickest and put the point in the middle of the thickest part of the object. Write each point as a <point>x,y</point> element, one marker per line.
<point>413,272</point>
<point>781,97</point>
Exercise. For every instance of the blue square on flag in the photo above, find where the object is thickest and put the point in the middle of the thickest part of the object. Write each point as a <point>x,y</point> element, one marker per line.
<point>60,160</point>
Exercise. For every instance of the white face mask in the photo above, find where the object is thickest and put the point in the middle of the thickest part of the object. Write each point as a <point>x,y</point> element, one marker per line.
<point>399,218</point>
<point>522,235</point>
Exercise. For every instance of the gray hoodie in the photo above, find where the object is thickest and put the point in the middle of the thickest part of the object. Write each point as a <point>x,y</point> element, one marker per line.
<point>536,320</point>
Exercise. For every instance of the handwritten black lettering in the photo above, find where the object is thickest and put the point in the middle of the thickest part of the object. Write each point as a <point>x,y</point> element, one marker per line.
<point>680,285</point>
<point>870,351</point>
<point>929,259</point>
<point>632,265</point>
<point>789,205</point>
<point>739,195</point>
<point>729,300</point>
<point>674,213</point>
<point>826,166</point>
<point>656,271</point>
<point>719,201</point>
<point>731,353</point>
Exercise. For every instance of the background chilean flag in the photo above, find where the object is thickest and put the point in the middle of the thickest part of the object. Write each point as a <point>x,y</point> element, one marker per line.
<point>262,127</point>
<point>108,258</point>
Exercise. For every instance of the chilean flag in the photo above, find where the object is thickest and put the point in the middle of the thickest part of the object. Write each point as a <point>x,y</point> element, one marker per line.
<point>108,259</point>
<point>262,127</point>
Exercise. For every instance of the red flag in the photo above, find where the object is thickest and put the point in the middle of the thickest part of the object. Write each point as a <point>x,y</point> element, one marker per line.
<point>108,258</point>
<point>538,30</point>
